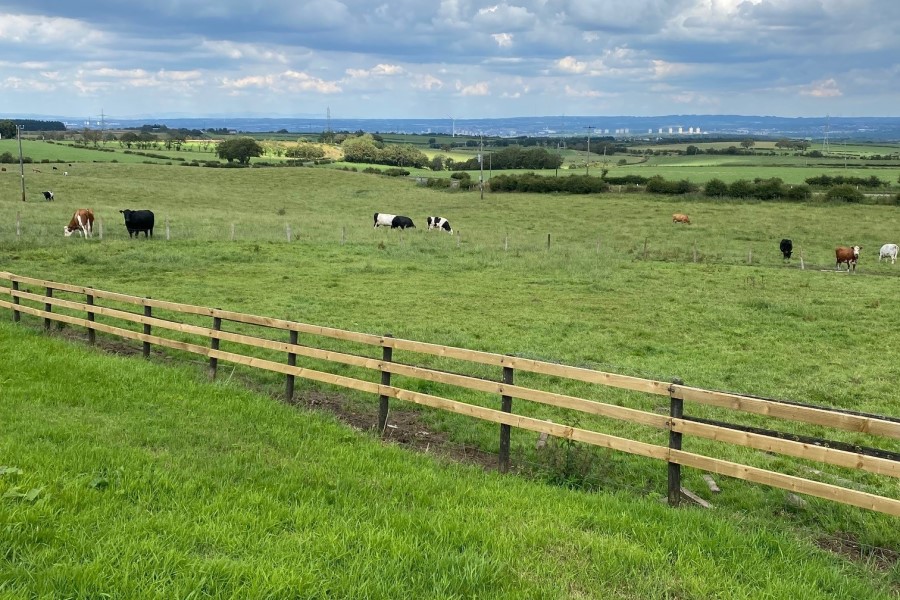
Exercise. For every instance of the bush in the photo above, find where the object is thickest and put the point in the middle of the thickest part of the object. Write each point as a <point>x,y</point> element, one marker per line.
<point>844,193</point>
<point>658,185</point>
<point>715,188</point>
<point>798,192</point>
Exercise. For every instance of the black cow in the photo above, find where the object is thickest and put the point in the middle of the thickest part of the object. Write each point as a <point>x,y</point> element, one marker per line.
<point>48,195</point>
<point>137,221</point>
<point>401,222</point>
<point>786,247</point>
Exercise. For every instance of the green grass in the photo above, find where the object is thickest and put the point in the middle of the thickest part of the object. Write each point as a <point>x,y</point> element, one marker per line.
<point>125,478</point>
<point>766,328</point>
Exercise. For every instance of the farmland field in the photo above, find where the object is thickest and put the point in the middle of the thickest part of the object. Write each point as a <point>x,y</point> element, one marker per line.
<point>618,286</point>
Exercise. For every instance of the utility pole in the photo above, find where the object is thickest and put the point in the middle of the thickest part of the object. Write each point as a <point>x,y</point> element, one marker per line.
<point>21,162</point>
<point>481,164</point>
<point>587,164</point>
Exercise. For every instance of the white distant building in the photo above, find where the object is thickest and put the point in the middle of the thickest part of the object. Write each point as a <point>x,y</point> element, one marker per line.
<point>650,130</point>
<point>690,131</point>
<point>670,130</point>
<point>680,130</point>
<point>660,130</point>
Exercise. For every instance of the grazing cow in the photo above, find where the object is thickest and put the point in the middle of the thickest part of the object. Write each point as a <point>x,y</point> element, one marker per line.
<point>82,222</point>
<point>889,251</point>
<point>393,221</point>
<point>55,169</point>
<point>137,221</point>
<point>48,195</point>
<point>439,223</point>
<point>680,218</point>
<point>787,247</point>
<point>843,254</point>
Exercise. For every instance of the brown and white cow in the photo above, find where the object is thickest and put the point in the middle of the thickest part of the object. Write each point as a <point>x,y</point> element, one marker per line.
<point>680,218</point>
<point>843,254</point>
<point>82,222</point>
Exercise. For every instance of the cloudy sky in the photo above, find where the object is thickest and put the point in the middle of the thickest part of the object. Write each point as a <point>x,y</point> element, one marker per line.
<point>459,58</point>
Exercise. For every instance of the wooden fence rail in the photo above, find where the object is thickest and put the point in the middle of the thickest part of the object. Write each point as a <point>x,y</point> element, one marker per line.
<point>679,427</point>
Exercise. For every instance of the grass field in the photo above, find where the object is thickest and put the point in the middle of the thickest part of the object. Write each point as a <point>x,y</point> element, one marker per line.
<point>763,328</point>
<point>133,479</point>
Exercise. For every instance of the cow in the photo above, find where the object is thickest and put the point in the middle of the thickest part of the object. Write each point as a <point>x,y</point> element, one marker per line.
<point>55,169</point>
<point>680,218</point>
<point>48,195</point>
<point>137,221</point>
<point>82,222</point>
<point>393,221</point>
<point>439,223</point>
<point>787,247</point>
<point>843,254</point>
<point>889,251</point>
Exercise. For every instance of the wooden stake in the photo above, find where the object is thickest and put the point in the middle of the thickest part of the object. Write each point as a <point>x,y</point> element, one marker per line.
<point>232,232</point>
<point>343,235</point>
<point>18,225</point>
<point>287,231</point>
<point>100,223</point>
<point>168,233</point>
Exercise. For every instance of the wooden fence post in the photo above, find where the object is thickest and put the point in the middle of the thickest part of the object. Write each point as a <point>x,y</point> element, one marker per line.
<point>48,307</point>
<point>147,313</point>
<point>343,234</point>
<point>802,267</point>
<point>287,231</point>
<point>168,237</point>
<point>694,247</point>
<point>18,225</point>
<point>505,406</point>
<point>458,238</point>
<point>387,355</point>
<point>645,248</point>
<point>750,256</point>
<point>214,345</point>
<point>232,232</point>
<point>92,333</point>
<point>548,242</point>
<point>100,223</point>
<point>292,362</point>
<point>676,411</point>
<point>506,243</point>
<point>16,314</point>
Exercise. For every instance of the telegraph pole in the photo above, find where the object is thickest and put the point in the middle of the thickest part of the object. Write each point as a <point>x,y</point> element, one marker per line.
<point>587,164</point>
<point>481,164</point>
<point>21,162</point>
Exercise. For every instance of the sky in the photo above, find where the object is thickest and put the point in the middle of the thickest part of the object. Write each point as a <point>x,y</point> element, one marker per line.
<point>449,58</point>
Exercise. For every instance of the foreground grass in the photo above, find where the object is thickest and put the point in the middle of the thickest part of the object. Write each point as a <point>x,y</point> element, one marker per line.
<point>141,481</point>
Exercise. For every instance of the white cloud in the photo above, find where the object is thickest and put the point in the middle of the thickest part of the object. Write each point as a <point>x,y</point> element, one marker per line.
<point>504,40</point>
<point>476,89</point>
<point>380,70</point>
<point>570,64</point>
<point>827,88</point>
<point>427,82</point>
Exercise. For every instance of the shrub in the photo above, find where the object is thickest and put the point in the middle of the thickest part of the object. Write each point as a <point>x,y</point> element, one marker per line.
<point>798,192</point>
<point>715,188</point>
<point>844,193</point>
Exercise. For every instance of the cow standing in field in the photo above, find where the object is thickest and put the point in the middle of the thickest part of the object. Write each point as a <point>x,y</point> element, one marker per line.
<point>889,251</point>
<point>393,221</point>
<point>843,254</point>
<point>48,195</point>
<point>82,222</point>
<point>439,223</point>
<point>681,218</point>
<point>137,221</point>
<point>787,247</point>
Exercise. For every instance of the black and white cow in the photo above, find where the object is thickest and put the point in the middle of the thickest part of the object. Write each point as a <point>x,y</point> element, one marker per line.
<point>393,221</point>
<point>439,223</point>
<point>137,221</point>
<point>48,195</point>
<point>787,247</point>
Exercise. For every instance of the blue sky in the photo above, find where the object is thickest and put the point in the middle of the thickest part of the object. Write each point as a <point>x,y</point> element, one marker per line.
<point>440,58</point>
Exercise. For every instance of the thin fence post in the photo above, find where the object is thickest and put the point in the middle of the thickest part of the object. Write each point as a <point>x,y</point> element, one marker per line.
<point>506,243</point>
<point>598,245</point>
<point>458,238</point>
<point>232,232</point>
<point>292,362</point>
<point>505,406</point>
<point>48,307</point>
<point>18,225</point>
<point>343,234</point>
<point>694,249</point>
<point>168,237</point>
<point>100,223</point>
<point>802,267</point>
<point>750,256</point>
<point>548,242</point>
<point>645,248</point>
<point>214,345</point>
<point>287,231</point>
<point>676,411</point>
<point>16,314</point>
<point>147,313</point>
<point>387,355</point>
<point>92,333</point>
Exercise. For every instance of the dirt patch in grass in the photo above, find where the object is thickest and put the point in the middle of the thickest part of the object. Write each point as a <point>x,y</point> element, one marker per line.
<point>847,545</point>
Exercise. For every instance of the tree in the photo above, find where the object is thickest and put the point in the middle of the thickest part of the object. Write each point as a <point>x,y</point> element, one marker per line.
<point>128,138</point>
<point>748,144</point>
<point>239,149</point>
<point>844,193</point>
<point>7,129</point>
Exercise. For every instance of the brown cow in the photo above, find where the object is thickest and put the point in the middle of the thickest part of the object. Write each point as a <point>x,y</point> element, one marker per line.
<point>82,222</point>
<point>680,218</point>
<point>843,254</point>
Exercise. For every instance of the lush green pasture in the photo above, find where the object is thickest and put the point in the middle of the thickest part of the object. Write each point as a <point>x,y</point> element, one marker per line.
<point>618,289</point>
<point>126,479</point>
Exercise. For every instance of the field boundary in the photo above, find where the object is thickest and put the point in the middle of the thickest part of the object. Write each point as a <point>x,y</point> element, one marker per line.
<point>42,299</point>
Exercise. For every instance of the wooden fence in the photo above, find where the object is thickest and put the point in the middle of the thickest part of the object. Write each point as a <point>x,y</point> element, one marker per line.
<point>45,297</point>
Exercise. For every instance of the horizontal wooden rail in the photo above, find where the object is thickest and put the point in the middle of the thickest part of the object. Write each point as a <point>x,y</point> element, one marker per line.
<point>815,416</point>
<point>870,424</point>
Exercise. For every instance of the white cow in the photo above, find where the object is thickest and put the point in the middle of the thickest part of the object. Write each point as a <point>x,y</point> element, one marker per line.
<point>889,251</point>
